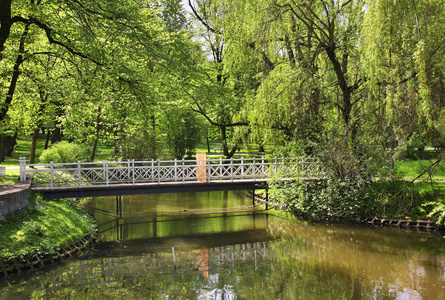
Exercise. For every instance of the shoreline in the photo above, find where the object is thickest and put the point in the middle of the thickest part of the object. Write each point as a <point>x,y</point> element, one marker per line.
<point>407,224</point>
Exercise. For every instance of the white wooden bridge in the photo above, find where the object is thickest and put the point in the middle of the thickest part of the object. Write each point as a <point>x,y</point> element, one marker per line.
<point>108,175</point>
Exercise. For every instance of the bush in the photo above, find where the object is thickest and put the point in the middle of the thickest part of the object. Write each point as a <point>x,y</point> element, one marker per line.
<point>326,199</point>
<point>410,149</point>
<point>65,152</point>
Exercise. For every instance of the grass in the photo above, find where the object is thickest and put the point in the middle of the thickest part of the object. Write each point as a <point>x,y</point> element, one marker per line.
<point>41,228</point>
<point>413,168</point>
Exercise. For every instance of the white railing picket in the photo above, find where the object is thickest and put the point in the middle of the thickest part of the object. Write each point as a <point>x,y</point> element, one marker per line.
<point>133,171</point>
<point>79,173</point>
<point>52,175</point>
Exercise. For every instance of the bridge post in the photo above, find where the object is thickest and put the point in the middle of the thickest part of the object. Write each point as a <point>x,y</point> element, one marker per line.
<point>254,169</point>
<point>183,171</point>
<point>209,170</point>
<point>52,174</point>
<point>242,168</point>
<point>22,168</point>
<point>79,174</point>
<point>128,169</point>
<point>176,170</point>
<point>133,171</point>
<point>159,171</point>
<point>267,197</point>
<point>106,172</point>
<point>231,169</point>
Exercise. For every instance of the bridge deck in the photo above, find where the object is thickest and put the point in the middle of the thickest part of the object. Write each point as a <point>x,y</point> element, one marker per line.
<point>148,188</point>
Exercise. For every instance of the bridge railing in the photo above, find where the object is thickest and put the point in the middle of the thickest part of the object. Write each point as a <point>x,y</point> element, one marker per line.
<point>157,171</point>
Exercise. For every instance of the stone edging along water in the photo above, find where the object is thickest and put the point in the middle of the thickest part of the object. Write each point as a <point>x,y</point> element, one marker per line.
<point>14,197</point>
<point>420,225</point>
<point>62,253</point>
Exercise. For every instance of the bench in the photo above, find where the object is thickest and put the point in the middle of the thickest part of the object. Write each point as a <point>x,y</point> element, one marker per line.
<point>218,149</point>
<point>2,171</point>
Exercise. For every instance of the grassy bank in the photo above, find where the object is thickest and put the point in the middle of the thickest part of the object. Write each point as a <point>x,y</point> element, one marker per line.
<point>41,229</point>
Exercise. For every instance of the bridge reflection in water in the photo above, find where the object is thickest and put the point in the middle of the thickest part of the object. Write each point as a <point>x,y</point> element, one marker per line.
<point>160,266</point>
<point>161,251</point>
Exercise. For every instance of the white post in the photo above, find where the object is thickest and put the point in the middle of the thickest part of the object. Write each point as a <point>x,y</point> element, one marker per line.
<point>22,168</point>
<point>159,172</point>
<point>52,174</point>
<point>152,170</point>
<point>133,172</point>
<point>129,169</point>
<point>208,169</point>
<point>183,171</point>
<point>253,169</point>
<point>220,168</point>
<point>106,172</point>
<point>231,169</point>
<point>242,168</point>
<point>79,174</point>
<point>176,170</point>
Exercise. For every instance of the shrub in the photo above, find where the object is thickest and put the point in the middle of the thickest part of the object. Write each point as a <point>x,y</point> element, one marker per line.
<point>65,152</point>
<point>326,199</point>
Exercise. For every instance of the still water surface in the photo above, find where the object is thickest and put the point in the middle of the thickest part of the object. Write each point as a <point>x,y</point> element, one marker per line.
<point>213,245</point>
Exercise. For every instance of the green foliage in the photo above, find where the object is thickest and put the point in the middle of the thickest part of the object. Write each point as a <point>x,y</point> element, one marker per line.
<point>41,228</point>
<point>411,148</point>
<point>329,199</point>
<point>137,145</point>
<point>184,133</point>
<point>65,152</point>
<point>438,211</point>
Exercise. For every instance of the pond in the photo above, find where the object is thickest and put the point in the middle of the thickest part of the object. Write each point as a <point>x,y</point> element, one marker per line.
<point>214,245</point>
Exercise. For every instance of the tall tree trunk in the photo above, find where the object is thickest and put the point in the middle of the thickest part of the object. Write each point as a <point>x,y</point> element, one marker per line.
<point>48,135</point>
<point>208,142</point>
<point>5,23</point>
<point>7,143</point>
<point>56,135</point>
<point>32,155</point>
<point>15,75</point>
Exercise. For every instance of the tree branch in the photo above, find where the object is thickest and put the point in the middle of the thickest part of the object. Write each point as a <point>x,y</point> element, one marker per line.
<point>50,37</point>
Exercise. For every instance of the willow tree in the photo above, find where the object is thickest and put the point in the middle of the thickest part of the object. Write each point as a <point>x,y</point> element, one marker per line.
<point>307,62</point>
<point>214,90</point>
<point>403,56</point>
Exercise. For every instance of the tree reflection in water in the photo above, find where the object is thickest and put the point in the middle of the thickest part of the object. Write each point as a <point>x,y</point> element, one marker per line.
<point>244,256</point>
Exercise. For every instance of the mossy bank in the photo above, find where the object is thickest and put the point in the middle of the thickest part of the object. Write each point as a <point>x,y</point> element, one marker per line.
<point>44,229</point>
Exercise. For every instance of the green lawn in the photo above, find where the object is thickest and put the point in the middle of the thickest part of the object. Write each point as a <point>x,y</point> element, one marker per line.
<point>41,228</point>
<point>413,168</point>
